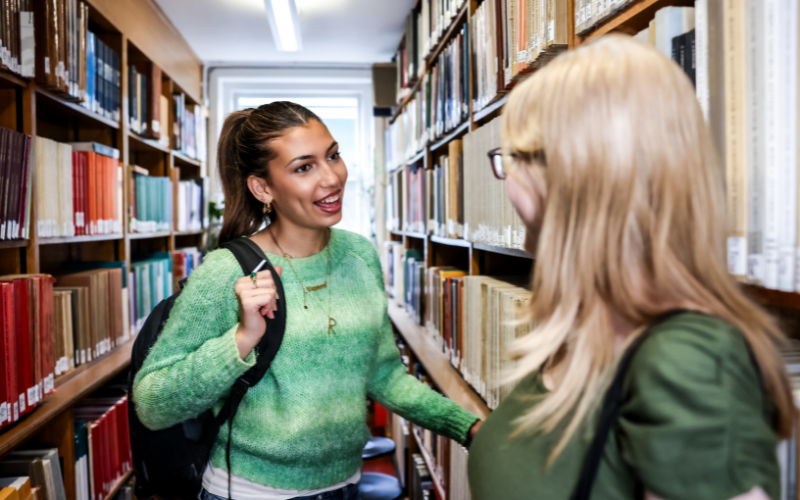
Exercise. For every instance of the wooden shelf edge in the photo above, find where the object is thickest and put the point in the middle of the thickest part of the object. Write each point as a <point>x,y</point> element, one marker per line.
<point>79,239</point>
<point>513,252</point>
<point>150,143</point>
<point>13,79</point>
<point>632,18</point>
<point>188,233</point>
<point>77,108</point>
<point>67,393</point>
<point>447,378</point>
<point>766,296</point>
<point>119,484</point>
<point>430,463</point>
<point>147,236</point>
<point>416,158</point>
<point>182,157</point>
<point>451,241</point>
<point>410,234</point>
<point>13,243</point>
<point>490,108</point>
<point>461,129</point>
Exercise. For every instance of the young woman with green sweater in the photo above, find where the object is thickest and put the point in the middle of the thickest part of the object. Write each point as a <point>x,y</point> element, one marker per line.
<point>300,431</point>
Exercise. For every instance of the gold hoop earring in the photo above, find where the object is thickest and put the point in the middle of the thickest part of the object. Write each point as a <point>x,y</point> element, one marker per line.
<point>267,207</point>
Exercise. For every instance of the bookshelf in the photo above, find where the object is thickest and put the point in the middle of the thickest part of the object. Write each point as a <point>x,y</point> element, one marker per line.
<point>479,259</point>
<point>137,31</point>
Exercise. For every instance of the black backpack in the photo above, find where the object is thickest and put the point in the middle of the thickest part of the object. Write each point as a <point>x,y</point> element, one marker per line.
<point>170,463</point>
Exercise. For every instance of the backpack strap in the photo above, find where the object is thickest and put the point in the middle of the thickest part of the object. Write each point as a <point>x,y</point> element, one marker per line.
<point>249,256</point>
<point>610,410</point>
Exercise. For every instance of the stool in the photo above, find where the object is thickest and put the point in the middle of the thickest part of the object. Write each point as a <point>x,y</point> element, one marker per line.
<point>374,485</point>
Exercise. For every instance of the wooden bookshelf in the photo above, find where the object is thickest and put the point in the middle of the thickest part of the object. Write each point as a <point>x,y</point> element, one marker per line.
<point>69,390</point>
<point>134,29</point>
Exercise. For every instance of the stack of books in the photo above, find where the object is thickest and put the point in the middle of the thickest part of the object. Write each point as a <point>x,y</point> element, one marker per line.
<point>145,99</point>
<point>41,468</point>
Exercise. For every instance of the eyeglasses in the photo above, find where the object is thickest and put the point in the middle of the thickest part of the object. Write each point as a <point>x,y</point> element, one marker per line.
<point>498,165</point>
<point>496,157</point>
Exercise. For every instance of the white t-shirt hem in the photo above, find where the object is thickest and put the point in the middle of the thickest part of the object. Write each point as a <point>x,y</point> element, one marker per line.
<point>215,481</point>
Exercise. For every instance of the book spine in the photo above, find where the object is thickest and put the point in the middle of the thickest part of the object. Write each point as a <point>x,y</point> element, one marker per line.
<point>772,132</point>
<point>735,160</point>
<point>788,153</point>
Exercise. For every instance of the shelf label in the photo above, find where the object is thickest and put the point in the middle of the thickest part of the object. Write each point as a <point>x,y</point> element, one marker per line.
<point>48,384</point>
<point>3,412</point>
<point>551,31</point>
<point>22,402</point>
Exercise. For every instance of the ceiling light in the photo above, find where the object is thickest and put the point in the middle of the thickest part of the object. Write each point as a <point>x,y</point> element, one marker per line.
<point>283,21</point>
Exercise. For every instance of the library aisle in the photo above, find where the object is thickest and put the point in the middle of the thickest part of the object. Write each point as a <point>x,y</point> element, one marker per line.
<point>110,114</point>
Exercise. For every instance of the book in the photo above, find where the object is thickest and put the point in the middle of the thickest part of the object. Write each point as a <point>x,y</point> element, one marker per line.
<point>15,174</point>
<point>151,281</point>
<point>151,203</point>
<point>54,483</point>
<point>20,486</point>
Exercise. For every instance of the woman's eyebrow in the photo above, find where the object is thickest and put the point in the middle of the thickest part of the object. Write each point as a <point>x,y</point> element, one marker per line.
<point>311,157</point>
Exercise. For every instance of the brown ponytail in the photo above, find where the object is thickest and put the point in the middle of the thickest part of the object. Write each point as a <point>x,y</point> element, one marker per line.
<point>244,150</point>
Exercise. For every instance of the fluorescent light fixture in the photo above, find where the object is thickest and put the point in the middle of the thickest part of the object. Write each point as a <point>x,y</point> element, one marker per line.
<point>285,27</point>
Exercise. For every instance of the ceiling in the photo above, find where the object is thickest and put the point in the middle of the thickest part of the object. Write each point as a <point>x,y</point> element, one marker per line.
<point>333,32</point>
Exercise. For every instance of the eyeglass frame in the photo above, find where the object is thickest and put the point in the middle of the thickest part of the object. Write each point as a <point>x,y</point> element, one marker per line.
<point>497,161</point>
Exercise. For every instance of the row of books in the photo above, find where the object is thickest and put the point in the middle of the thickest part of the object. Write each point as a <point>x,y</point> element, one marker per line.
<point>459,197</point>
<point>425,27</point>
<point>761,50</point>
<point>193,198</point>
<point>472,319</point>
<point>27,362</point>
<point>489,217</point>
<point>672,31</point>
<point>512,38</point>
<point>84,195</point>
<point>151,280</point>
<point>189,128</point>
<point>151,203</point>
<point>16,38</point>
<point>145,101</point>
<point>15,184</point>
<point>33,474</point>
<point>440,105</point>
<point>73,61</point>
<point>102,445</point>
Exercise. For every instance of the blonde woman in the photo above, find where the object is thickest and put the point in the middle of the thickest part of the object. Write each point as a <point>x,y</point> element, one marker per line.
<point>612,169</point>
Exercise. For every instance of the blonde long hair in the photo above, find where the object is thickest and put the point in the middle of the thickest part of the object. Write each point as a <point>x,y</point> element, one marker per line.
<point>634,218</point>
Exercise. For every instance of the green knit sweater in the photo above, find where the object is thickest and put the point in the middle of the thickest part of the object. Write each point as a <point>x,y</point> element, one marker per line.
<point>304,425</point>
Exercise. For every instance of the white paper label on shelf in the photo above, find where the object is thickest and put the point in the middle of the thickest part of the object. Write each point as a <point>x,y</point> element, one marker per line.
<point>507,236</point>
<point>32,396</point>
<point>522,56</point>
<point>155,125</point>
<point>551,31</point>
<point>48,384</point>
<point>3,412</point>
<point>737,256</point>
<point>46,65</point>
<point>466,230</point>
<point>16,411</point>
<point>22,402</point>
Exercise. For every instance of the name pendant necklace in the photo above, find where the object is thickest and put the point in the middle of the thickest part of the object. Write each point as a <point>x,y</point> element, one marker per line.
<point>307,289</point>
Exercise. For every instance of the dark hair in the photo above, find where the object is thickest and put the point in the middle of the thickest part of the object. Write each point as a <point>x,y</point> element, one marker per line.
<point>244,150</point>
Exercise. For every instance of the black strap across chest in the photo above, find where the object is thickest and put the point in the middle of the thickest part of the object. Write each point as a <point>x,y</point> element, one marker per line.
<point>610,411</point>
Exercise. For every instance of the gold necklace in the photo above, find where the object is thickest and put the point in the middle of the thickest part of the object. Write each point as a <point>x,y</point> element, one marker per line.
<point>331,321</point>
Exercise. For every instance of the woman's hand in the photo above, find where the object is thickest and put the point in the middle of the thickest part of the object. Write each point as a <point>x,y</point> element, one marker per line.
<point>474,429</point>
<point>255,302</point>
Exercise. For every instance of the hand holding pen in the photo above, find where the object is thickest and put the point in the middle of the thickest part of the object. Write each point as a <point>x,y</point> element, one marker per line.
<point>258,300</point>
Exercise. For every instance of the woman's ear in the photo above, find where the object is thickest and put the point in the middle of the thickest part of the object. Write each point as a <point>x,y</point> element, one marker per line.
<point>260,189</point>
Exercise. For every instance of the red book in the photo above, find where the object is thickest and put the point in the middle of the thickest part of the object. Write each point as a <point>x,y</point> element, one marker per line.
<point>24,347</point>
<point>91,190</point>
<point>6,328</point>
